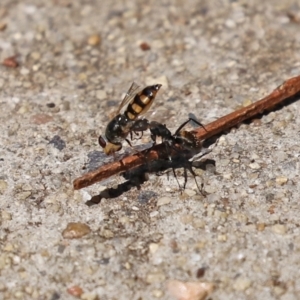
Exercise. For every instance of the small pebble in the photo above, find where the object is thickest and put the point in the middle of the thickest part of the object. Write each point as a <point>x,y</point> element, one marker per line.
<point>157,293</point>
<point>94,40</point>
<point>200,272</point>
<point>224,162</point>
<point>124,220</point>
<point>75,291</point>
<point>3,186</point>
<point>278,290</point>
<point>153,214</point>
<point>9,247</point>
<point>23,195</point>
<point>153,247</point>
<point>227,176</point>
<point>35,55</point>
<point>229,23</point>
<point>5,215</point>
<point>3,26</point>
<point>190,290</point>
<point>106,233</point>
<point>145,46</point>
<point>50,105</point>
<point>254,166</point>
<point>10,62</point>
<point>75,230</point>
<point>222,237</point>
<point>260,226</point>
<point>155,277</point>
<point>26,187</point>
<point>24,71</point>
<point>101,94</point>
<point>189,192</point>
<point>163,201</point>
<point>127,265</point>
<point>241,284</point>
<point>279,229</point>
<point>198,223</point>
<point>247,102</point>
<point>58,142</point>
<point>281,180</point>
<point>209,189</point>
<point>186,219</point>
<point>222,142</point>
<point>89,296</point>
<point>19,295</point>
<point>40,119</point>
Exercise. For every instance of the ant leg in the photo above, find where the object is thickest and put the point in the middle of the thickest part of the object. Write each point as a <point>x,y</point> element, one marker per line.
<point>185,177</point>
<point>183,124</point>
<point>174,173</point>
<point>195,176</point>
<point>129,143</point>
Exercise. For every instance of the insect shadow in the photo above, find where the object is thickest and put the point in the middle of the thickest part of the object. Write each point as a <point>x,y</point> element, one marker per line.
<point>136,177</point>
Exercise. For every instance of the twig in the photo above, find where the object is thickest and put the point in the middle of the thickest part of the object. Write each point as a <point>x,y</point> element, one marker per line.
<point>287,90</point>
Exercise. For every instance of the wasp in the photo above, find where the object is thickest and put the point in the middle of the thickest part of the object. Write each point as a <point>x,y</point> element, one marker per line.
<point>123,124</point>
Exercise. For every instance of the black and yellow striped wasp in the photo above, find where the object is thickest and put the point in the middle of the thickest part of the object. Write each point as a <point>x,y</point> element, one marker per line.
<point>124,123</point>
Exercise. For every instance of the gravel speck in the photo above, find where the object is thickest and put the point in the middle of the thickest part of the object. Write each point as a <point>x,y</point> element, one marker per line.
<point>40,119</point>
<point>75,291</point>
<point>23,195</point>
<point>155,277</point>
<point>189,290</point>
<point>242,283</point>
<point>75,230</point>
<point>58,142</point>
<point>153,247</point>
<point>101,94</point>
<point>3,186</point>
<point>254,166</point>
<point>281,180</point>
<point>94,40</point>
<point>279,229</point>
<point>163,201</point>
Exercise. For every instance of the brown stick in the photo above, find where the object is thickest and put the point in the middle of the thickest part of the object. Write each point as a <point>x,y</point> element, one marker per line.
<point>288,89</point>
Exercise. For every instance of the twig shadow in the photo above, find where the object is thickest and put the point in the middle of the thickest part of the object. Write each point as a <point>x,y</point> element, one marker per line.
<point>136,177</point>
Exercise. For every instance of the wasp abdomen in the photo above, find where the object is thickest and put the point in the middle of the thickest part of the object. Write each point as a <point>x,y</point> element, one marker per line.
<point>142,101</point>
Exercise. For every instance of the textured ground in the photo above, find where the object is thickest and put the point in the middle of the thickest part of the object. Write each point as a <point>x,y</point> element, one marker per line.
<point>211,57</point>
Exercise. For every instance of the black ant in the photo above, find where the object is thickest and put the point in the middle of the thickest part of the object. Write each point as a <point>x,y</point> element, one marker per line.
<point>183,142</point>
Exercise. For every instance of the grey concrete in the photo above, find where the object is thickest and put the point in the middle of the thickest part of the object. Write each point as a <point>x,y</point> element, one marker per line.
<point>211,57</point>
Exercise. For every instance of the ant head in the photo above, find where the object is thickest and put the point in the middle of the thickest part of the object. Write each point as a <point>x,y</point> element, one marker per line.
<point>108,147</point>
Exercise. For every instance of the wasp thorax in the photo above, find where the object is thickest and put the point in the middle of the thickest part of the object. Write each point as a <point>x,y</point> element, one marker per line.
<point>117,129</point>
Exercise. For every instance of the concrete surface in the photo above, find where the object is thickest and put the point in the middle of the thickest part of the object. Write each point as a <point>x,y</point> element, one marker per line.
<point>77,59</point>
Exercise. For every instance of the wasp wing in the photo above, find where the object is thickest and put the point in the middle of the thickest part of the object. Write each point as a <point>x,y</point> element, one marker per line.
<point>129,96</point>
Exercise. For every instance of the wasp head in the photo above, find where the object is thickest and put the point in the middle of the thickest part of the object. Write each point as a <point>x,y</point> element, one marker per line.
<point>108,147</point>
